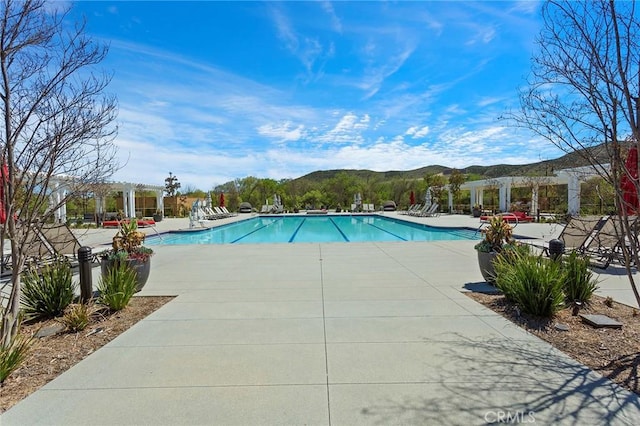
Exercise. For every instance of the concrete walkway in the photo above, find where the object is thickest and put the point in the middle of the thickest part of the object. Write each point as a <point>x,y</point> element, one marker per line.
<point>325,334</point>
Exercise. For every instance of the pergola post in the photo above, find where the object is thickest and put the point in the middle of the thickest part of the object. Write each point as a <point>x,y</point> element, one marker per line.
<point>534,200</point>
<point>573,195</point>
<point>160,200</point>
<point>503,196</point>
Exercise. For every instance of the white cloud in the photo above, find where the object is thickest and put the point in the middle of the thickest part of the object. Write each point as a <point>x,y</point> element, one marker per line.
<point>376,75</point>
<point>208,122</point>
<point>349,129</point>
<point>284,28</point>
<point>335,21</point>
<point>283,132</point>
<point>417,132</point>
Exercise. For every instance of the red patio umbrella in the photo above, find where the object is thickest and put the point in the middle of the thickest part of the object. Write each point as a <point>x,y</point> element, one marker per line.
<point>221,202</point>
<point>412,198</point>
<point>629,181</point>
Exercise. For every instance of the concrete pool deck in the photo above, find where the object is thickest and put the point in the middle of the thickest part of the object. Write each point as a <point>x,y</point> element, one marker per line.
<point>340,334</point>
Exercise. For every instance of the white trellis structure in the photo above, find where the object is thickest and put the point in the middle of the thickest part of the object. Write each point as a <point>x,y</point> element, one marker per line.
<point>570,177</point>
<point>60,188</point>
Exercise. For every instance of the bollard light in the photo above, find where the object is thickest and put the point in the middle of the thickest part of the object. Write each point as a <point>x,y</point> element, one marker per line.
<point>556,248</point>
<point>85,267</point>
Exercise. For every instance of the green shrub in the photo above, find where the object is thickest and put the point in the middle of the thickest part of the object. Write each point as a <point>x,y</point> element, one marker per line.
<point>533,283</point>
<point>13,355</point>
<point>117,286</point>
<point>13,351</point>
<point>579,284</point>
<point>48,291</point>
<point>77,316</point>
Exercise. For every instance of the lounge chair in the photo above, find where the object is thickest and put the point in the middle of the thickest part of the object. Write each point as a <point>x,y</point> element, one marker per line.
<point>61,240</point>
<point>428,210</point>
<point>433,211</point>
<point>227,212</point>
<point>412,208</point>
<point>576,235</point>
<point>421,211</point>
<point>217,213</point>
<point>606,243</point>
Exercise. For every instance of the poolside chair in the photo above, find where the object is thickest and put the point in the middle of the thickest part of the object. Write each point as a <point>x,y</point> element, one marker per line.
<point>607,242</point>
<point>576,234</point>
<point>61,240</point>
<point>433,211</point>
<point>219,214</point>
<point>227,212</point>
<point>36,248</point>
<point>420,211</point>
<point>428,210</point>
<point>410,208</point>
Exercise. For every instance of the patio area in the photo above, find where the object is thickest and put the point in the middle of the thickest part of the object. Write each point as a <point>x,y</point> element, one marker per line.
<point>327,334</point>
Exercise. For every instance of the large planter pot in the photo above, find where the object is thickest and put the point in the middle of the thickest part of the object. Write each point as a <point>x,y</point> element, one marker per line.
<point>142,268</point>
<point>157,218</point>
<point>485,262</point>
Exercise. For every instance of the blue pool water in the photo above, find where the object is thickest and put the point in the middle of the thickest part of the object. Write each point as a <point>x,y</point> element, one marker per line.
<point>315,229</point>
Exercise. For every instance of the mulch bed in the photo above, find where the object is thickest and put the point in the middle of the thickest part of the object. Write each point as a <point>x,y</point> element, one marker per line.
<point>53,355</point>
<point>613,353</point>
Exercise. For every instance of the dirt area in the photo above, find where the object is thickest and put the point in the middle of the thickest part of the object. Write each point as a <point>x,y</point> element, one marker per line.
<point>613,353</point>
<point>53,355</point>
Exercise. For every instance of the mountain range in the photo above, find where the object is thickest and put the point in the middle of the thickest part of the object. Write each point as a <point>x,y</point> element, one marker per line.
<point>541,168</point>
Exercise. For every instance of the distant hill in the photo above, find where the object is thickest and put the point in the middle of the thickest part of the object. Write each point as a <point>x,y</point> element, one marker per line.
<point>573,159</point>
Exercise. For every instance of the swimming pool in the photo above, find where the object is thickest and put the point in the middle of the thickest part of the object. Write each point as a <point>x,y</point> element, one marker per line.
<point>315,229</point>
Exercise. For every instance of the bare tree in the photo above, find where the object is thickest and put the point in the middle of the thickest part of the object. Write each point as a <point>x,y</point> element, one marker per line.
<point>56,121</point>
<point>584,92</point>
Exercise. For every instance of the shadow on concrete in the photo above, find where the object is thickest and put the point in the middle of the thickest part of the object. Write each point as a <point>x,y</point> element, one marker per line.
<point>504,379</point>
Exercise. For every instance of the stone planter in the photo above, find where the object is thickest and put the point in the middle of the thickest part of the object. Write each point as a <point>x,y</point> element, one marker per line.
<point>485,262</point>
<point>142,268</point>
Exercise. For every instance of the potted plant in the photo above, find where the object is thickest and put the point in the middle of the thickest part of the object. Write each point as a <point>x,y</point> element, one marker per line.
<point>128,247</point>
<point>157,217</point>
<point>497,237</point>
<point>476,211</point>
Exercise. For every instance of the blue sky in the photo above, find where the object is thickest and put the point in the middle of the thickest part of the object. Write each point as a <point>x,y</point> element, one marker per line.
<point>214,91</point>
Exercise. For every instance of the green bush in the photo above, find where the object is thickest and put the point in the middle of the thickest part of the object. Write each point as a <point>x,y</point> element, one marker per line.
<point>534,283</point>
<point>77,316</point>
<point>12,355</point>
<point>13,351</point>
<point>48,291</point>
<point>579,284</point>
<point>117,287</point>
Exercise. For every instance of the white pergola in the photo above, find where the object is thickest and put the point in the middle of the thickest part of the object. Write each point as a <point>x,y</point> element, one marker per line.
<point>570,177</point>
<point>60,189</point>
